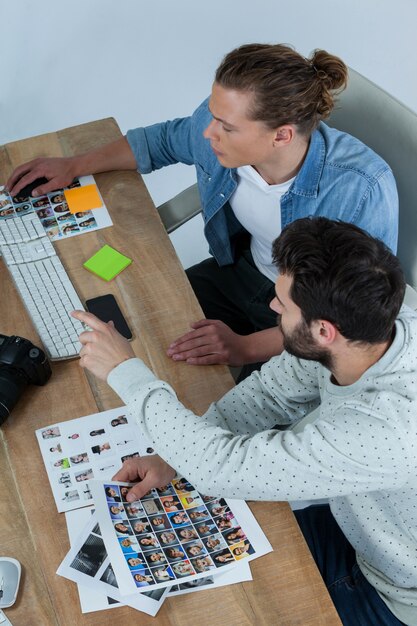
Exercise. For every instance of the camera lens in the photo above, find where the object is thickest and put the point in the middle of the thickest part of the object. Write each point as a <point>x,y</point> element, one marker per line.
<point>12,384</point>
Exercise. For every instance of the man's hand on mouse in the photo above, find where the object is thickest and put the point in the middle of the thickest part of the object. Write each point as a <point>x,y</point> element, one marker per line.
<point>103,347</point>
<point>58,171</point>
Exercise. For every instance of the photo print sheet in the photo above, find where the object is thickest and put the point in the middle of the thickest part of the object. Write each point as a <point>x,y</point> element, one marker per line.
<point>174,534</point>
<point>90,447</point>
<point>88,565</point>
<point>93,596</point>
<point>234,575</point>
<point>53,211</point>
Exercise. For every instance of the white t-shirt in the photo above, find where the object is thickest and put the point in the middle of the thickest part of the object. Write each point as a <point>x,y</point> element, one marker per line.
<point>257,206</point>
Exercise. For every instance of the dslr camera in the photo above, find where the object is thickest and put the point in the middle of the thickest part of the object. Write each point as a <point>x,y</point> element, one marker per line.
<point>21,364</point>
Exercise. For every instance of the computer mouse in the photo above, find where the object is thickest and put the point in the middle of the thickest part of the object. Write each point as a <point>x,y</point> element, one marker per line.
<point>26,191</point>
<point>10,571</point>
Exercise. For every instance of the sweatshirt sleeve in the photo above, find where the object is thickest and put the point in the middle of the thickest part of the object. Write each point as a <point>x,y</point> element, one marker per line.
<point>232,448</point>
<point>233,451</point>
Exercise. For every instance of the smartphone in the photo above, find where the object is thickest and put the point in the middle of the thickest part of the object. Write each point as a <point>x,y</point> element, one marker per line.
<point>106,309</point>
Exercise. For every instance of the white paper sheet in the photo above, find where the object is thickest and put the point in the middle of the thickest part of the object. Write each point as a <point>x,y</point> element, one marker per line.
<point>79,450</point>
<point>54,214</point>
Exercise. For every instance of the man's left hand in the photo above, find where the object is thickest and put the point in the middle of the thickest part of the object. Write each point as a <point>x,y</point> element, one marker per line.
<point>103,347</point>
<point>210,342</point>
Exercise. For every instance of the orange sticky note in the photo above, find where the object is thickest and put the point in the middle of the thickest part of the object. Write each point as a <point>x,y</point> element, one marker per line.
<point>83,198</point>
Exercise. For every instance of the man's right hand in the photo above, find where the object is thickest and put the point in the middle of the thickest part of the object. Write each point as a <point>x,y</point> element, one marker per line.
<point>59,172</point>
<point>151,471</point>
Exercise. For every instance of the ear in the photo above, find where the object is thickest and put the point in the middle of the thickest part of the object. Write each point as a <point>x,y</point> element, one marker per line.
<point>284,135</point>
<point>324,332</point>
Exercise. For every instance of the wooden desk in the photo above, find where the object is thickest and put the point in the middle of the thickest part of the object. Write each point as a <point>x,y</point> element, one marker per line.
<point>159,304</point>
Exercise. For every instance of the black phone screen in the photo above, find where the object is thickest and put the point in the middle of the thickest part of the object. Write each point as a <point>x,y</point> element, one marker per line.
<point>106,309</point>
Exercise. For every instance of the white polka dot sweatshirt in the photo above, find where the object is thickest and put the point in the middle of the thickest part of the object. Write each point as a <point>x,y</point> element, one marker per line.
<point>359,451</point>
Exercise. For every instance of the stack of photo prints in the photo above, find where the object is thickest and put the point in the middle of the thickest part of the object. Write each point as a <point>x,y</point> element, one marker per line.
<point>53,211</point>
<point>172,541</point>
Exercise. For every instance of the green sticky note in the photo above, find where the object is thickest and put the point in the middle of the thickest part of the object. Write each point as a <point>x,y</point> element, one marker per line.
<point>107,263</point>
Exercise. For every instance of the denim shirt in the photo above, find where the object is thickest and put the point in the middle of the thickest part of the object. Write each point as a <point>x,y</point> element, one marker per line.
<point>340,178</point>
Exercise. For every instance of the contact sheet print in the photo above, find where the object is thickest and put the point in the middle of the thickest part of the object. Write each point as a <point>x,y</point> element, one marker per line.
<point>91,447</point>
<point>174,534</point>
<point>53,211</point>
<point>93,587</point>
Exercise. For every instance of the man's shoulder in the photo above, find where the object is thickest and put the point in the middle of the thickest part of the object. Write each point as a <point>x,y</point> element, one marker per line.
<point>345,152</point>
<point>201,117</point>
<point>204,157</point>
<point>402,362</point>
<point>203,107</point>
<point>408,316</point>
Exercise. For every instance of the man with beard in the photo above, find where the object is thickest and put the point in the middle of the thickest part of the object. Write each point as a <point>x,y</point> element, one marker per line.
<point>333,417</point>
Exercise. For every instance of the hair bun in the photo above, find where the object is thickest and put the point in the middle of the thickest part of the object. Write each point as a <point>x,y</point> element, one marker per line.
<point>330,70</point>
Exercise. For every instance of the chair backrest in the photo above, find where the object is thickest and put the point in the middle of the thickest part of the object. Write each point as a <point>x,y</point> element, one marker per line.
<point>390,128</point>
<point>181,208</point>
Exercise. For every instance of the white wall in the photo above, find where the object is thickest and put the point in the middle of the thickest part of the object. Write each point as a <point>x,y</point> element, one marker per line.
<point>63,63</point>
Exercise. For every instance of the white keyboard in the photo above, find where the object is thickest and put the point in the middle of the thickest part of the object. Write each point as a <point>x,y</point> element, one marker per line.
<point>43,284</point>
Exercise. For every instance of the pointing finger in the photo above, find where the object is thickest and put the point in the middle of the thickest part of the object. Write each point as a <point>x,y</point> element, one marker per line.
<point>91,320</point>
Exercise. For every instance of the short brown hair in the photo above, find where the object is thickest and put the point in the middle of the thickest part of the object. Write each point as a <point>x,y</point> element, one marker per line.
<point>343,275</point>
<point>287,87</point>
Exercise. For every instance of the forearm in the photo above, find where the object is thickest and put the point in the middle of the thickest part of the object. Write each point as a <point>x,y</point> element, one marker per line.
<point>116,155</point>
<point>219,449</point>
<point>263,345</point>
<point>198,447</point>
<point>269,464</point>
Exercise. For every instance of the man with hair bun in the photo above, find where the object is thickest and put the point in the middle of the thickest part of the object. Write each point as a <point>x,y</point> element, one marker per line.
<point>264,158</point>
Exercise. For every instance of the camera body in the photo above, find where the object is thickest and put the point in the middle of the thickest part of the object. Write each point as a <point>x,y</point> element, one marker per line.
<point>21,364</point>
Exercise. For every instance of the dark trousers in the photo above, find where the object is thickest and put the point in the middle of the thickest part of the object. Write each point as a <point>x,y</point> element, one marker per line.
<point>356,601</point>
<point>238,295</point>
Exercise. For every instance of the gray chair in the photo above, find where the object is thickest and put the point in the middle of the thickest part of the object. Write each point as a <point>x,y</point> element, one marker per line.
<point>389,128</point>
<point>379,120</point>
<point>181,208</point>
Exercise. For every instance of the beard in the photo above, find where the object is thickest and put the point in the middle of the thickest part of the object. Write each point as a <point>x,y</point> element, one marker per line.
<point>301,344</point>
